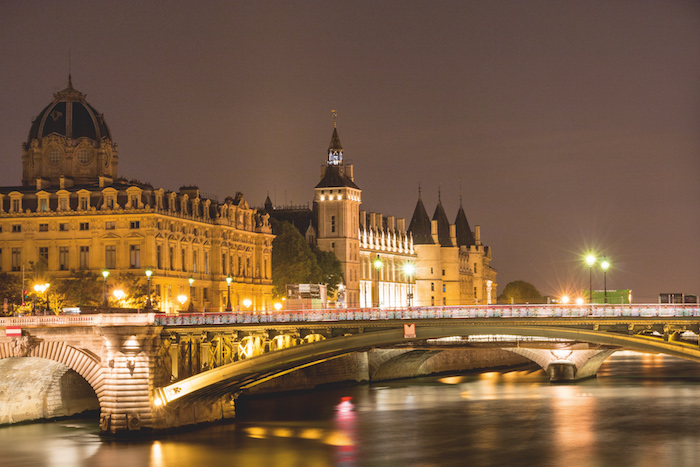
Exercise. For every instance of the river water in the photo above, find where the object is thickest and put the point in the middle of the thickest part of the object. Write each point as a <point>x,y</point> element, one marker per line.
<point>642,410</point>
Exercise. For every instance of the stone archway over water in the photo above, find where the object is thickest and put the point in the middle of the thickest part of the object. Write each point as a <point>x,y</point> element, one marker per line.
<point>36,388</point>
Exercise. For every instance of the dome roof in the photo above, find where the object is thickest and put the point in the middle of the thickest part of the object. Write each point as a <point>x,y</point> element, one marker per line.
<point>71,116</point>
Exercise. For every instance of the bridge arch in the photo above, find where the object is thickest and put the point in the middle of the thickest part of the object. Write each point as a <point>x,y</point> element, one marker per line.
<point>83,363</point>
<point>250,372</point>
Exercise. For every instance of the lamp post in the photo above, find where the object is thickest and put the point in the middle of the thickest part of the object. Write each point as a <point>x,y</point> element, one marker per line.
<point>41,288</point>
<point>228,283</point>
<point>409,269</point>
<point>149,304</point>
<point>105,303</point>
<point>377,266</point>
<point>604,266</point>
<point>590,260</point>
<point>190,308</point>
<point>48,304</point>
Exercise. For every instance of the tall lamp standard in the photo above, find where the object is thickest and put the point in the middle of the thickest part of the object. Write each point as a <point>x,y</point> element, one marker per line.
<point>590,260</point>
<point>377,266</point>
<point>149,304</point>
<point>105,303</point>
<point>409,269</point>
<point>604,266</point>
<point>228,302</point>
<point>191,307</point>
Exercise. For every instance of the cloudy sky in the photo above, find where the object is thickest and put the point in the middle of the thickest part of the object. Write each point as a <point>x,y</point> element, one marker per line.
<point>569,125</point>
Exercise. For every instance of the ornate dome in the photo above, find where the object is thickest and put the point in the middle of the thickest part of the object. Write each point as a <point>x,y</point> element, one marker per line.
<point>69,115</point>
<point>69,143</point>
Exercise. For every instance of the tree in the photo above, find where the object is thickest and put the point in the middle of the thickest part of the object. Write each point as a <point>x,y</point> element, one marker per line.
<point>520,292</point>
<point>331,269</point>
<point>10,289</point>
<point>83,288</point>
<point>135,291</point>
<point>293,262</point>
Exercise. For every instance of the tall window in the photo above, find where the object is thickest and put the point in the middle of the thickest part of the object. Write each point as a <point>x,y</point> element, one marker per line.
<point>134,256</point>
<point>159,257</point>
<point>110,256</point>
<point>206,262</point>
<point>16,259</point>
<point>43,205</point>
<point>109,202</point>
<point>63,204</point>
<point>63,258</point>
<point>332,223</point>
<point>16,206</point>
<point>223,264</point>
<point>44,254</point>
<point>182,258</point>
<point>84,257</point>
<point>171,258</point>
<point>83,203</point>
<point>194,261</point>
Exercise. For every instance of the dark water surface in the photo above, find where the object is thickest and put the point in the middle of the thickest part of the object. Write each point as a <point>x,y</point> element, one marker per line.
<point>642,410</point>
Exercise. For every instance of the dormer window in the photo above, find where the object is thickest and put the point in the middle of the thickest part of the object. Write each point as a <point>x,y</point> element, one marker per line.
<point>16,205</point>
<point>83,203</point>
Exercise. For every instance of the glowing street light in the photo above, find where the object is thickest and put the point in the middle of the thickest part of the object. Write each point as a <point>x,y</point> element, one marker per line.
<point>278,306</point>
<point>590,260</point>
<point>41,288</point>
<point>604,266</point>
<point>378,264</point>
<point>565,299</point>
<point>191,307</point>
<point>105,302</point>
<point>149,304</point>
<point>247,302</point>
<point>409,269</point>
<point>118,294</point>
<point>182,298</point>
<point>228,303</point>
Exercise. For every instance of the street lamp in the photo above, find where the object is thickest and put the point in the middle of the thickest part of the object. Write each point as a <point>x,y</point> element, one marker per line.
<point>191,307</point>
<point>409,269</point>
<point>604,266</point>
<point>590,260</point>
<point>247,302</point>
<point>105,303</point>
<point>228,303</point>
<point>182,299</point>
<point>118,294</point>
<point>149,304</point>
<point>41,288</point>
<point>377,266</point>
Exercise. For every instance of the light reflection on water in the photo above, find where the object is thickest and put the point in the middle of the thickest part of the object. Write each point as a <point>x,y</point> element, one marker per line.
<point>641,410</point>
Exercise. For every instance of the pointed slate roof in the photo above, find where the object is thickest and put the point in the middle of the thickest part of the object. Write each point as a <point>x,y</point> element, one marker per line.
<point>333,178</point>
<point>443,225</point>
<point>420,225</point>
<point>465,237</point>
<point>335,141</point>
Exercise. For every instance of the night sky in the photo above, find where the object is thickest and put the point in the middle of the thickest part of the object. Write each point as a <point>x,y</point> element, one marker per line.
<point>570,125</point>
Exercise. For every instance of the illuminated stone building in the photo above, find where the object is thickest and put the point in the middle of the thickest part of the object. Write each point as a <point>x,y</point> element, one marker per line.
<point>72,211</point>
<point>453,266</point>
<point>384,263</point>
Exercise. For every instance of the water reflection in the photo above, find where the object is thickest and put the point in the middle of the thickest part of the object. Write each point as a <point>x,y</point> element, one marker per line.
<point>641,410</point>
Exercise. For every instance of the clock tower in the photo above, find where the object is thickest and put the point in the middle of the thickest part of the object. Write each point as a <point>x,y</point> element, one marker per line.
<point>338,199</point>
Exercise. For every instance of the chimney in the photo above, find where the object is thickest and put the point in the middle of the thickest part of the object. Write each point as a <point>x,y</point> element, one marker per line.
<point>373,220</point>
<point>401,225</point>
<point>434,231</point>
<point>363,219</point>
<point>453,234</point>
<point>390,223</point>
<point>349,172</point>
<point>477,234</point>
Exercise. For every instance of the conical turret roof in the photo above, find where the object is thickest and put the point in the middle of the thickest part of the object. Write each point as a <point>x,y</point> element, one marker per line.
<point>443,225</point>
<point>420,225</point>
<point>465,237</point>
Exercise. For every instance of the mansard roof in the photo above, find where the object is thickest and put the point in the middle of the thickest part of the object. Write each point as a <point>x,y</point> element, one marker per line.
<point>465,236</point>
<point>335,178</point>
<point>443,225</point>
<point>420,225</point>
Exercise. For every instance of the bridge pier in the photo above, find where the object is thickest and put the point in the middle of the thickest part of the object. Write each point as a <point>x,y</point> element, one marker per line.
<point>566,365</point>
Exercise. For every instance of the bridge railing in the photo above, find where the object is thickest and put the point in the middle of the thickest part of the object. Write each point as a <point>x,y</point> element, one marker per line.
<point>359,314</point>
<point>455,312</point>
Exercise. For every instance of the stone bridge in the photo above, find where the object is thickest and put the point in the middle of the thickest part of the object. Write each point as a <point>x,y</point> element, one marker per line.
<point>155,371</point>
